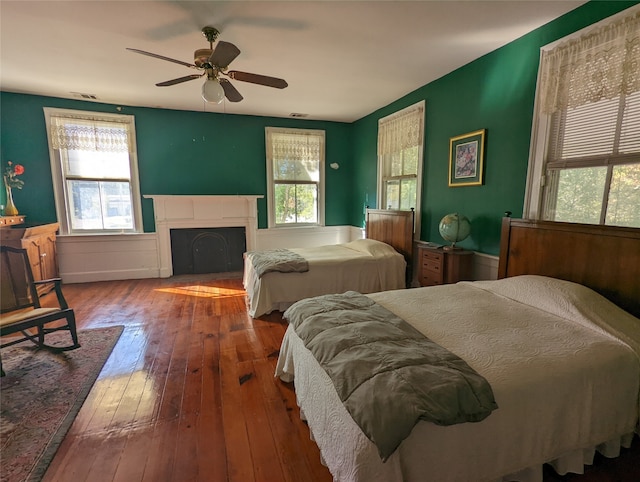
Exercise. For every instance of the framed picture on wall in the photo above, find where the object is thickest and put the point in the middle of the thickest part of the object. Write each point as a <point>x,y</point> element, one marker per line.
<point>466,159</point>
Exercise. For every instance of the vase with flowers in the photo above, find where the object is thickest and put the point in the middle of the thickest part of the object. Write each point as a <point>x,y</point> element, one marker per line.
<point>11,181</point>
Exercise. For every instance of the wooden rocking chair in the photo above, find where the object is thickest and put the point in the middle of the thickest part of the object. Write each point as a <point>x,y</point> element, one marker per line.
<point>20,304</point>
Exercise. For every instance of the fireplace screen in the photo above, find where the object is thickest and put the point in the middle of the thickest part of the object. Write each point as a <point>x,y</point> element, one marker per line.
<point>207,250</point>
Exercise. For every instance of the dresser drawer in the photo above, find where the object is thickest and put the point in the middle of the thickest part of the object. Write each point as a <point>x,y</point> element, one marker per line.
<point>434,265</point>
<point>431,255</point>
<point>427,280</point>
<point>431,268</point>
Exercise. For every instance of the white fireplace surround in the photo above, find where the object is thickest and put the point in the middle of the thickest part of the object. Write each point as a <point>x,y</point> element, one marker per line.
<point>201,211</point>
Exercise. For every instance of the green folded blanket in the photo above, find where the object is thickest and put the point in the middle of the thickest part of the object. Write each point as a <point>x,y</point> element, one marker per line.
<point>388,375</point>
<point>281,260</point>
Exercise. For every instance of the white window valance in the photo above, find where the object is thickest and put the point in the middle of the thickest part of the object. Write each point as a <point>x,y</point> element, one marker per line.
<point>602,64</point>
<point>293,146</point>
<point>400,131</point>
<point>77,132</point>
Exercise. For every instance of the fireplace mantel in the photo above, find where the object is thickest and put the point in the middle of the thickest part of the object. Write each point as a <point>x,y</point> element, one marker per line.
<point>201,211</point>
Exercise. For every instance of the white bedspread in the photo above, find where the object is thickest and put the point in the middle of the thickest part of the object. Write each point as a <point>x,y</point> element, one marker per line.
<point>564,380</point>
<point>364,265</point>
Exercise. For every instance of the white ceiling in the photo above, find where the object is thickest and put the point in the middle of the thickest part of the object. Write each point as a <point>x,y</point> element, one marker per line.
<point>342,59</point>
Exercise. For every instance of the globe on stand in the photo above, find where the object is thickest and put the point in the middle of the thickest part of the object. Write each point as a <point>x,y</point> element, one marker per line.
<point>454,228</point>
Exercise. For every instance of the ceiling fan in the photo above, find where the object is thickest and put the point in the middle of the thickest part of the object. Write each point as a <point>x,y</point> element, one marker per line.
<point>213,62</point>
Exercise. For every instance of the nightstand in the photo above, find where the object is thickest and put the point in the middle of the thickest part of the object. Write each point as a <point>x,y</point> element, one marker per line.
<point>437,266</point>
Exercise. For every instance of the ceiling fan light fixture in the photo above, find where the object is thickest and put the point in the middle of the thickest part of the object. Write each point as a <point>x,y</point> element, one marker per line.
<point>212,91</point>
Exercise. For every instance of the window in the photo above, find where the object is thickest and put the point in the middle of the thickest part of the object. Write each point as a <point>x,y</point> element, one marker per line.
<point>94,167</point>
<point>586,167</point>
<point>295,172</point>
<point>400,140</point>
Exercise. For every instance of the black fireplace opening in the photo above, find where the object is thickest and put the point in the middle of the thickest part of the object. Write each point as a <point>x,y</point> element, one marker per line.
<point>207,250</point>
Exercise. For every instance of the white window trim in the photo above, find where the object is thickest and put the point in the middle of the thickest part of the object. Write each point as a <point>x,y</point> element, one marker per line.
<point>533,199</point>
<point>419,180</point>
<point>270,182</point>
<point>58,181</point>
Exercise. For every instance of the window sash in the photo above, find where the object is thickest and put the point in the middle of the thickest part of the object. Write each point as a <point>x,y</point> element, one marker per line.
<point>587,143</point>
<point>400,140</point>
<point>599,133</point>
<point>89,193</point>
<point>295,158</point>
<point>603,195</point>
<point>587,119</point>
<point>400,193</point>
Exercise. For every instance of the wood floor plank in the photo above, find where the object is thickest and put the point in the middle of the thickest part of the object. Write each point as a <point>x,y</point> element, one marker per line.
<point>292,460</point>
<point>302,433</point>
<point>161,333</point>
<point>135,452</point>
<point>173,391</point>
<point>186,446</point>
<point>239,461</point>
<point>78,461</point>
<point>162,451</point>
<point>266,464</point>
<point>211,450</point>
<point>105,462</point>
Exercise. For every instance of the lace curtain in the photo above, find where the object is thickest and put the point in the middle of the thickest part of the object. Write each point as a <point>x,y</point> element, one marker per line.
<point>89,134</point>
<point>296,147</point>
<point>296,156</point>
<point>400,131</point>
<point>603,64</point>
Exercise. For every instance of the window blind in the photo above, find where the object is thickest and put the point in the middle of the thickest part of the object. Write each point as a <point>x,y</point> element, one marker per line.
<point>595,134</point>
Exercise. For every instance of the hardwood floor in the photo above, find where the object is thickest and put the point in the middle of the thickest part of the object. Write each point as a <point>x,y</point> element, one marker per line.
<point>188,393</point>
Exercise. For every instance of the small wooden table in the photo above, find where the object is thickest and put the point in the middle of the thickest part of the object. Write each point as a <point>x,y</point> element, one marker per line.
<point>437,266</point>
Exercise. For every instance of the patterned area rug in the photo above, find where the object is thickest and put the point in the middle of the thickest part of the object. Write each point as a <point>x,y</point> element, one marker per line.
<point>41,395</point>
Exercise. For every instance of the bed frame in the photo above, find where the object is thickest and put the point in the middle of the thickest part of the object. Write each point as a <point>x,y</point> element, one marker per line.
<point>604,258</point>
<point>392,227</point>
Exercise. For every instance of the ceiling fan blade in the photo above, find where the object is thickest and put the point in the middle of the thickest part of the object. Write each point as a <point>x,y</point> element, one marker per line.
<point>230,91</point>
<point>223,54</point>
<point>162,57</point>
<point>179,80</point>
<point>257,79</point>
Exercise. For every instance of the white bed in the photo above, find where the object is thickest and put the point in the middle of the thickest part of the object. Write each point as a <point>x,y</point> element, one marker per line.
<point>542,357</point>
<point>562,360</point>
<point>363,265</point>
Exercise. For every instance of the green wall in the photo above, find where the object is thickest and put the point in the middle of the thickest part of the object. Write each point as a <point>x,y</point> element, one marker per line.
<point>179,152</point>
<point>205,153</point>
<point>496,93</point>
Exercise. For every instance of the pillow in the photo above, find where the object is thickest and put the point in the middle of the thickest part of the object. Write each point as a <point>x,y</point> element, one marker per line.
<point>571,301</point>
<point>372,247</point>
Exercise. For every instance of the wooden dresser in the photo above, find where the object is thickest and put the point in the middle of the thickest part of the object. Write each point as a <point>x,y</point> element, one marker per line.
<point>437,266</point>
<point>40,243</point>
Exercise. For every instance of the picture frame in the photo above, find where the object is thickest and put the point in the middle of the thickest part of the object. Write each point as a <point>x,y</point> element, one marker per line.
<point>466,159</point>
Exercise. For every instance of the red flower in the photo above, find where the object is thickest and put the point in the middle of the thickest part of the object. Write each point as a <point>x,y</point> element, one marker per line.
<point>10,175</point>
